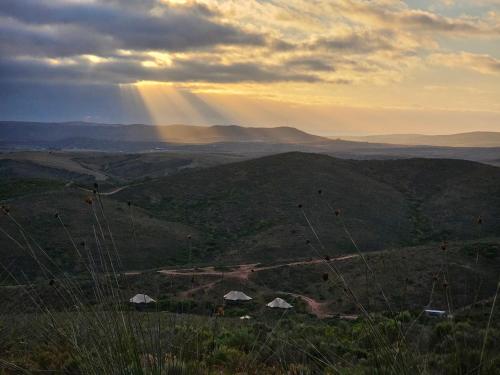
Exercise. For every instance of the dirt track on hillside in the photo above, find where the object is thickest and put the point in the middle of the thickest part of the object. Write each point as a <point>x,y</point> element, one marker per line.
<point>320,309</point>
<point>106,193</point>
<point>243,271</point>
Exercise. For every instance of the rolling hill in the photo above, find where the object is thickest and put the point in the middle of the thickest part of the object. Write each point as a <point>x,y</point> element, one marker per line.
<point>471,139</point>
<point>249,210</point>
<point>233,141</point>
<point>108,168</point>
<point>65,134</point>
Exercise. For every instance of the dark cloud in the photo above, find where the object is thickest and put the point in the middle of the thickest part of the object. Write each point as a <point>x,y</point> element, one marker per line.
<point>436,23</point>
<point>417,20</point>
<point>353,42</point>
<point>65,40</point>
<point>310,64</point>
<point>281,45</point>
<point>32,31</point>
<point>131,25</point>
<point>199,71</point>
<point>130,71</point>
<point>341,81</point>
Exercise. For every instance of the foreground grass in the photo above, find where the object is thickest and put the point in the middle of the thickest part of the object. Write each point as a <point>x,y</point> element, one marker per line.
<point>157,343</point>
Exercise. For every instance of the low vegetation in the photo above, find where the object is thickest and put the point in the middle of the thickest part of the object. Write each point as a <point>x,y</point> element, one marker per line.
<point>72,258</point>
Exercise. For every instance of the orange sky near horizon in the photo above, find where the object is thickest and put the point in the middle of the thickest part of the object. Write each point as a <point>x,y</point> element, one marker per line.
<point>325,66</point>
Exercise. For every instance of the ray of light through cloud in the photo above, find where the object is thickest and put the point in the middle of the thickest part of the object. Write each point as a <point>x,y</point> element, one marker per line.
<point>325,66</point>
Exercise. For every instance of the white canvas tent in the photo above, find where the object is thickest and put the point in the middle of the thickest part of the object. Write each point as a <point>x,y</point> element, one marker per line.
<point>279,303</point>
<point>141,298</point>
<point>235,295</point>
<point>435,313</point>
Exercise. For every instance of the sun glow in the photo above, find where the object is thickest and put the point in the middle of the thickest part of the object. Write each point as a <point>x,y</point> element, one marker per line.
<point>320,65</point>
<point>399,66</point>
<point>167,103</point>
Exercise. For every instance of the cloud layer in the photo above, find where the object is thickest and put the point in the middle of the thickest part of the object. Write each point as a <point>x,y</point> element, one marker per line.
<point>376,53</point>
<point>225,41</point>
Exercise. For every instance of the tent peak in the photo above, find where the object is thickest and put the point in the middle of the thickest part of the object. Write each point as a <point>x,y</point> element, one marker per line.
<point>236,295</point>
<point>279,303</point>
<point>141,298</point>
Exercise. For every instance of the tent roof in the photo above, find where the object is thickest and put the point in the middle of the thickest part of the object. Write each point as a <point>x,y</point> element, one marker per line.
<point>435,311</point>
<point>279,303</point>
<point>141,298</point>
<point>235,295</point>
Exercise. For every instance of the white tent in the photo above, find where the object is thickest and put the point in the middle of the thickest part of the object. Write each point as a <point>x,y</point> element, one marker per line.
<point>245,317</point>
<point>235,295</point>
<point>141,298</point>
<point>435,313</point>
<point>279,303</point>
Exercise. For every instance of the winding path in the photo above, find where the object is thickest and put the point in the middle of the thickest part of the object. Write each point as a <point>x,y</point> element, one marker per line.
<point>107,193</point>
<point>243,271</point>
<point>320,309</point>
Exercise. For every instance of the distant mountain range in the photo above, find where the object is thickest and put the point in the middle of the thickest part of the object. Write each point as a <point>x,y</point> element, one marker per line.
<point>472,139</point>
<point>71,134</point>
<point>244,141</point>
<point>81,136</point>
<point>43,133</point>
<point>234,133</point>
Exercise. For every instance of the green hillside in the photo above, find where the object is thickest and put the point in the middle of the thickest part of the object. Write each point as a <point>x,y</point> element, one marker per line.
<point>250,209</point>
<point>143,240</point>
<point>189,238</point>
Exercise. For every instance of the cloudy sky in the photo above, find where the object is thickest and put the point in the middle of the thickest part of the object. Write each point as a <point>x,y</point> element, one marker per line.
<point>325,66</point>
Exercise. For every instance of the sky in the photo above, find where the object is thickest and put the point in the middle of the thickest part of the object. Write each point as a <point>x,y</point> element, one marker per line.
<point>330,67</point>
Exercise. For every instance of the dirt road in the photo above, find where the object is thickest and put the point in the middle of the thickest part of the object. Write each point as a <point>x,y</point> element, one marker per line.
<point>320,309</point>
<point>106,193</point>
<point>243,271</point>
